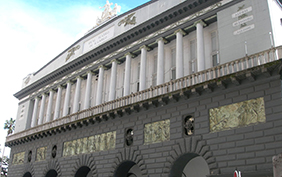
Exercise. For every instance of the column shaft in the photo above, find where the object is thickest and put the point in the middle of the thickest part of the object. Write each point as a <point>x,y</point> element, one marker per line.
<point>100,86</point>
<point>113,80</point>
<point>41,112</point>
<point>34,113</point>
<point>67,99</point>
<point>127,75</point>
<point>58,103</point>
<point>88,90</point>
<point>77,95</point>
<point>49,107</point>
<point>143,62</point>
<point>200,46</point>
<point>179,54</point>
<point>160,69</point>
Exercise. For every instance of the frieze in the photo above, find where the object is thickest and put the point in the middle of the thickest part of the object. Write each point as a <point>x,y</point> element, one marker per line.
<point>41,153</point>
<point>101,142</point>
<point>157,132</point>
<point>18,158</point>
<point>237,115</point>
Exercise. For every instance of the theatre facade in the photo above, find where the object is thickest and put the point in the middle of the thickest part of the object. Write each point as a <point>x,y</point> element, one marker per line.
<point>167,89</point>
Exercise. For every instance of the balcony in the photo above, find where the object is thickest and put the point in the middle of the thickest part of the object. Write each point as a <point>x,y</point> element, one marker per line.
<point>232,72</point>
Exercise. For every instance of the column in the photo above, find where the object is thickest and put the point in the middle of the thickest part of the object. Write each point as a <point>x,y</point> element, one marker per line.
<point>179,53</point>
<point>88,90</point>
<point>127,74</point>
<point>41,111</point>
<point>34,113</point>
<point>67,99</point>
<point>77,95</point>
<point>58,103</point>
<point>113,80</point>
<point>143,63</point>
<point>200,45</point>
<point>49,107</point>
<point>100,85</point>
<point>160,69</point>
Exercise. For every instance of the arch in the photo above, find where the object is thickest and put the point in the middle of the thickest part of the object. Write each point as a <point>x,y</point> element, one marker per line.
<point>27,174</point>
<point>83,172</point>
<point>51,173</point>
<point>128,168</point>
<point>190,163</point>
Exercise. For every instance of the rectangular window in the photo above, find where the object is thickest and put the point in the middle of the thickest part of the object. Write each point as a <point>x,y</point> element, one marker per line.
<point>193,56</point>
<point>154,76</point>
<point>214,49</point>
<point>173,64</point>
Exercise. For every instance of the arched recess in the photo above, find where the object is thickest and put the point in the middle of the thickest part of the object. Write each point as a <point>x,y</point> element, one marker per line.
<point>27,174</point>
<point>83,171</point>
<point>84,166</point>
<point>128,169</point>
<point>191,147</point>
<point>51,173</point>
<point>190,164</point>
<point>131,161</point>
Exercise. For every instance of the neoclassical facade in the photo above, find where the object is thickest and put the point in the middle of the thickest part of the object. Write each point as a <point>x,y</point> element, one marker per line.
<point>169,88</point>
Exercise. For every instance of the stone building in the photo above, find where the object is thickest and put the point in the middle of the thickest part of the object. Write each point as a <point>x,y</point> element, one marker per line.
<point>167,89</point>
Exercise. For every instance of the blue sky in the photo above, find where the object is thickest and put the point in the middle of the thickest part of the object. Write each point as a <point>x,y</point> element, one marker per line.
<point>33,32</point>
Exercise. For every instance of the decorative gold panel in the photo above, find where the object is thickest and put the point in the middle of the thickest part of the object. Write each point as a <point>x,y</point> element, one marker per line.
<point>101,142</point>
<point>18,158</point>
<point>41,153</point>
<point>237,115</point>
<point>157,132</point>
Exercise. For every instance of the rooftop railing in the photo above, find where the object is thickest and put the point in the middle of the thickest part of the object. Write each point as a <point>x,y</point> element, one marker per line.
<point>225,69</point>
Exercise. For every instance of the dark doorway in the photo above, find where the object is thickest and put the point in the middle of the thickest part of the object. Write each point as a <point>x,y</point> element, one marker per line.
<point>51,173</point>
<point>83,172</point>
<point>27,174</point>
<point>128,169</point>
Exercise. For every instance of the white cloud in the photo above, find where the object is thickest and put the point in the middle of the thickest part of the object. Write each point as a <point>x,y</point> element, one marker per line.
<point>30,38</point>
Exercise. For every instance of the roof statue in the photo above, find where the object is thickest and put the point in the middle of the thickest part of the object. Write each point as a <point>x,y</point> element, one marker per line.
<point>108,12</point>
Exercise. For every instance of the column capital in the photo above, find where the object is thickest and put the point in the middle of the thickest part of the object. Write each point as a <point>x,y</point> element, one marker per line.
<point>101,66</point>
<point>51,90</point>
<point>69,81</point>
<point>181,31</point>
<point>163,39</point>
<point>201,22</point>
<point>130,54</point>
<point>78,77</point>
<point>145,47</point>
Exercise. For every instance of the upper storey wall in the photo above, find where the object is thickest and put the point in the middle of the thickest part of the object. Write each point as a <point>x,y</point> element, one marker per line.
<point>101,34</point>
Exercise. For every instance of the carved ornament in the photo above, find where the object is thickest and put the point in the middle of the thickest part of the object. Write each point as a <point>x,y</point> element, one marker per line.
<point>129,20</point>
<point>71,52</point>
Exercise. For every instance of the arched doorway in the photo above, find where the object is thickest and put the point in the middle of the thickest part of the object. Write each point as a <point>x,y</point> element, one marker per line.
<point>128,169</point>
<point>51,173</point>
<point>190,165</point>
<point>27,174</point>
<point>83,171</point>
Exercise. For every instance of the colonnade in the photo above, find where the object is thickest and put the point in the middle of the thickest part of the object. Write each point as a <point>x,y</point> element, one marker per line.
<point>112,88</point>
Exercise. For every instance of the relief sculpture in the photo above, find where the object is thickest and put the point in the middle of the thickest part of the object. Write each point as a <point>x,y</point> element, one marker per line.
<point>41,153</point>
<point>101,142</point>
<point>18,158</point>
<point>157,132</point>
<point>237,115</point>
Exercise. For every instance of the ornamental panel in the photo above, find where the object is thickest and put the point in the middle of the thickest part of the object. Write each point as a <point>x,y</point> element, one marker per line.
<point>18,158</point>
<point>237,115</point>
<point>41,153</point>
<point>157,132</point>
<point>100,142</point>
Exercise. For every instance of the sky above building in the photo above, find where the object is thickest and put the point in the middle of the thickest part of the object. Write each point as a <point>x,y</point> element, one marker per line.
<point>33,32</point>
